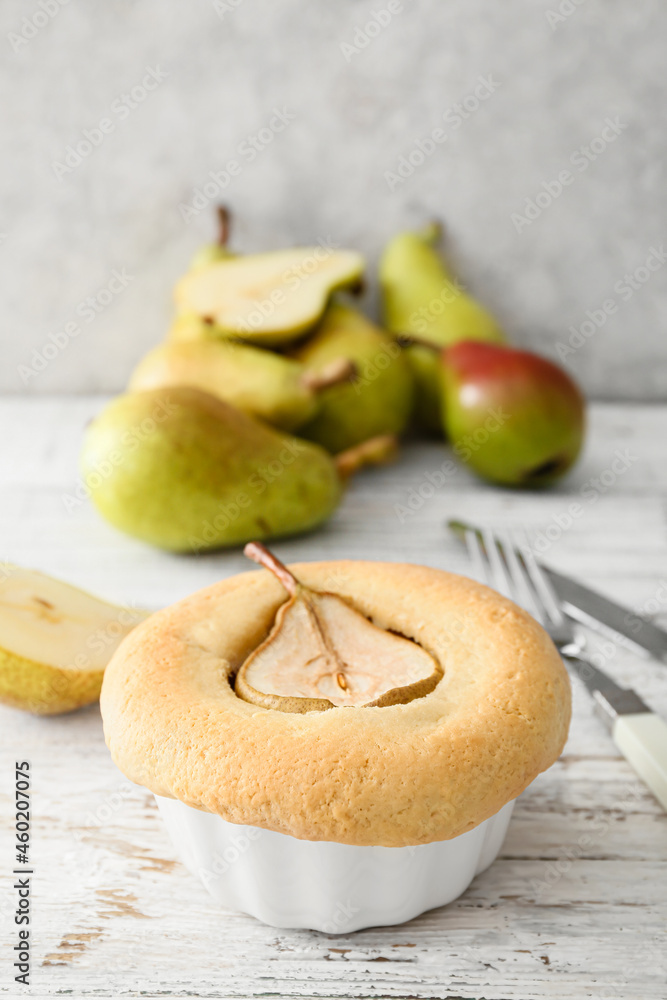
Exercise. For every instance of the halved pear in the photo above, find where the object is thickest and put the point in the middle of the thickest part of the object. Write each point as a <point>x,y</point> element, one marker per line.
<point>269,298</point>
<point>322,653</point>
<point>55,641</point>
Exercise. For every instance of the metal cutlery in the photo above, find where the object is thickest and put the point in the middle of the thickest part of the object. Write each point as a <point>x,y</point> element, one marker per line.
<point>599,612</point>
<point>511,569</point>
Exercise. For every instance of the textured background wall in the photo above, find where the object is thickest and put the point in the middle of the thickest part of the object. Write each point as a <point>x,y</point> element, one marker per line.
<point>357,101</point>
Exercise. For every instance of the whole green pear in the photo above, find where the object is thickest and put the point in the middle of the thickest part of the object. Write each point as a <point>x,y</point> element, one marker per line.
<point>259,382</point>
<point>377,401</point>
<point>512,416</point>
<point>184,471</point>
<point>422,299</point>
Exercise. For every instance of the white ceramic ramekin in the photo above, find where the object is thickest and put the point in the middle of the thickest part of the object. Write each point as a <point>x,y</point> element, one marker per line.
<point>324,886</point>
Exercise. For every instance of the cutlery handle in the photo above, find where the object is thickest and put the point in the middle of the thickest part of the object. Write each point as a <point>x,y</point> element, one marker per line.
<point>642,739</point>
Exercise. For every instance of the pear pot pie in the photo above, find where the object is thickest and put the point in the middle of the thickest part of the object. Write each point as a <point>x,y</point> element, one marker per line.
<point>295,724</point>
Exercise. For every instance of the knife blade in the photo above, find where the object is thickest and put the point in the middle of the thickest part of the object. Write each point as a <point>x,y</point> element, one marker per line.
<point>599,612</point>
<point>609,618</point>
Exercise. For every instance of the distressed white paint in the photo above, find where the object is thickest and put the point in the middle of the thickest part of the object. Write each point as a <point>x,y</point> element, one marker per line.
<point>575,906</point>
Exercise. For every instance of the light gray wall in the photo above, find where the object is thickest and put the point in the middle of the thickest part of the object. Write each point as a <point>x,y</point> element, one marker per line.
<point>557,77</point>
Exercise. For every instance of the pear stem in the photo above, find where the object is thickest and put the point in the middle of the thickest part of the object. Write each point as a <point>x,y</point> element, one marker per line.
<point>376,451</point>
<point>224,224</point>
<point>407,339</point>
<point>432,233</point>
<point>260,554</point>
<point>339,370</point>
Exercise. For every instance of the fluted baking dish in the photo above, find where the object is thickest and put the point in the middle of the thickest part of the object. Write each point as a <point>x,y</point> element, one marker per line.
<point>335,888</point>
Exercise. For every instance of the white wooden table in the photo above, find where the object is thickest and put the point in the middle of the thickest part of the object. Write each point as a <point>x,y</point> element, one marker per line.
<point>576,906</point>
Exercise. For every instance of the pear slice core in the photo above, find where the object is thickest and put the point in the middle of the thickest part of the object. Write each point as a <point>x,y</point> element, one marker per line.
<point>269,298</point>
<point>321,653</point>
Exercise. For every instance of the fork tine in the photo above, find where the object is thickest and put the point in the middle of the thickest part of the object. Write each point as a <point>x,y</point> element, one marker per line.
<point>542,587</point>
<point>523,591</point>
<point>476,554</point>
<point>499,577</point>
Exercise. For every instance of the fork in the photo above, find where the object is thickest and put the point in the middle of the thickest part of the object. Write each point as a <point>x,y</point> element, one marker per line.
<point>510,567</point>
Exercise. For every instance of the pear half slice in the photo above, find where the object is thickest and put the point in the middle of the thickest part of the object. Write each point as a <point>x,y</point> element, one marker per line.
<point>269,298</point>
<point>321,653</point>
<point>55,641</point>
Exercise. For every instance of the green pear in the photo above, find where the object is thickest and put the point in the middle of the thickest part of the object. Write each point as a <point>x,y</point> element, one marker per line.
<point>268,385</point>
<point>377,401</point>
<point>55,641</point>
<point>187,326</point>
<point>512,416</point>
<point>422,300</point>
<point>184,471</point>
<point>269,298</point>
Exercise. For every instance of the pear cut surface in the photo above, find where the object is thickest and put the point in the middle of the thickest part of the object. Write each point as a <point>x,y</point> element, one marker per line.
<point>270,297</point>
<point>321,653</point>
<point>55,642</point>
<point>48,621</point>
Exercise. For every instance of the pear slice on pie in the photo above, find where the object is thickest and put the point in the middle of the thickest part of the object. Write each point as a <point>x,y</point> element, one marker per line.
<point>321,653</point>
<point>269,298</point>
<point>55,641</point>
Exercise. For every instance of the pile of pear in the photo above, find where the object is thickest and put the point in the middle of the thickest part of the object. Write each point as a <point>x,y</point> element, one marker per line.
<point>272,388</point>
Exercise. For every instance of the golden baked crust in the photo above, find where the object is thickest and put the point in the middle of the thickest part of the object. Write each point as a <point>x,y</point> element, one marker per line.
<point>407,774</point>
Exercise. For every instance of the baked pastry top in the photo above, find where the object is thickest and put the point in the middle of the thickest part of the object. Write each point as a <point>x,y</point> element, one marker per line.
<point>394,776</point>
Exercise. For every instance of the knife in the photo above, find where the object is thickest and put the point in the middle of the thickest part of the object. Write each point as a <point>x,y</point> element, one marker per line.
<point>599,612</point>
<point>591,608</point>
<point>638,732</point>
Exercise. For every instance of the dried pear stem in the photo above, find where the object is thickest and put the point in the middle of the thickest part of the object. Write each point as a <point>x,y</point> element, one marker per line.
<point>408,339</point>
<point>432,232</point>
<point>337,371</point>
<point>376,451</point>
<point>261,555</point>
<point>224,225</point>
<point>357,288</point>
